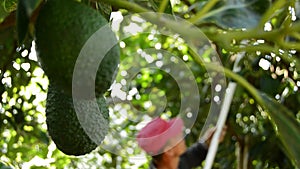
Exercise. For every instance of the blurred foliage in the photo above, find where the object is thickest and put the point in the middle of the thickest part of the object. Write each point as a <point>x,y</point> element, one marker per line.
<point>266,32</point>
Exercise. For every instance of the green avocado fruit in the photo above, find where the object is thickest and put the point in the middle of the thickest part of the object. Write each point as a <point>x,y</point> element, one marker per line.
<point>61,30</point>
<point>71,135</point>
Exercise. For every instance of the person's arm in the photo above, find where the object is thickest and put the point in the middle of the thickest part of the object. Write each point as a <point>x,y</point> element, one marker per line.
<point>194,156</point>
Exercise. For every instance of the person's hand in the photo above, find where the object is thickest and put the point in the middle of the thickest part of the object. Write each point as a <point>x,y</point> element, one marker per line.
<point>207,137</point>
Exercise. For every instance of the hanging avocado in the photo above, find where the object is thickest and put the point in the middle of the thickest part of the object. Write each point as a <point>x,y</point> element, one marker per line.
<point>62,29</point>
<point>67,131</point>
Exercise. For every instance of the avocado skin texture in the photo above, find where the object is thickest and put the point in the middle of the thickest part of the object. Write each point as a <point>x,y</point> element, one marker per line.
<point>62,28</point>
<point>64,127</point>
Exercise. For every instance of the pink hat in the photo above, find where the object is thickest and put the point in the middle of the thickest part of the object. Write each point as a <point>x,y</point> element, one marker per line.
<point>156,133</point>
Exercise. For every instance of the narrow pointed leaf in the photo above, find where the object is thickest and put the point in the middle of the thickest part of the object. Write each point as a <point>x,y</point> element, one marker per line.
<point>24,10</point>
<point>286,125</point>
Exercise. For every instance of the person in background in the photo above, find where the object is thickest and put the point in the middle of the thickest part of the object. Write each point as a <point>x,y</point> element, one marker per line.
<point>164,141</point>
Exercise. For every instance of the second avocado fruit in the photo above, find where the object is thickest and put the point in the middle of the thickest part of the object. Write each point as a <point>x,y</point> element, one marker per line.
<point>62,28</point>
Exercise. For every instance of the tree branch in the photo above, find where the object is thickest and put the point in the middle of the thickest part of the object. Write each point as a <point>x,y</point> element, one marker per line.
<point>9,21</point>
<point>126,5</point>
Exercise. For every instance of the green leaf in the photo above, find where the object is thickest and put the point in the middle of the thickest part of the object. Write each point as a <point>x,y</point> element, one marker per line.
<point>25,9</point>
<point>266,82</point>
<point>105,9</point>
<point>8,5</point>
<point>7,47</point>
<point>287,126</point>
<point>3,13</point>
<point>260,6</point>
<point>234,15</point>
<point>156,5</point>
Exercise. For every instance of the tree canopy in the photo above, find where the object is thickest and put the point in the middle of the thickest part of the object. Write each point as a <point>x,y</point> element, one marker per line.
<point>175,55</point>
